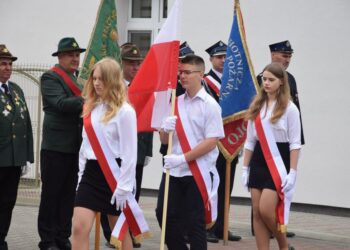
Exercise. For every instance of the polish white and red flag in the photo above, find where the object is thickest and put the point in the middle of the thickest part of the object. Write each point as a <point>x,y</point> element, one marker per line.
<point>150,91</point>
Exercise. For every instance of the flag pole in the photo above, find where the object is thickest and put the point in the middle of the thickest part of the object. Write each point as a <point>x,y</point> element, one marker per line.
<point>97,231</point>
<point>227,201</point>
<point>167,176</point>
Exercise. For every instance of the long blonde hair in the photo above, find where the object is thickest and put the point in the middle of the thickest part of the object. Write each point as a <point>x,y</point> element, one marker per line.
<point>114,92</point>
<point>282,95</point>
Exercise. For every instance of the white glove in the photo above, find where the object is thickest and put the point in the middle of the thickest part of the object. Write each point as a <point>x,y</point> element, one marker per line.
<point>173,161</point>
<point>245,176</point>
<point>147,160</point>
<point>25,169</point>
<point>168,124</point>
<point>120,198</point>
<point>289,182</point>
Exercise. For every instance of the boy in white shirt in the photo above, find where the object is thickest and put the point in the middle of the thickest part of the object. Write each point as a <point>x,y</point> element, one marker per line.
<point>193,185</point>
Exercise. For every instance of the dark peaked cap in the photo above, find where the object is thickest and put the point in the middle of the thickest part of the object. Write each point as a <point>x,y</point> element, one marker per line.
<point>217,49</point>
<point>185,50</point>
<point>284,47</point>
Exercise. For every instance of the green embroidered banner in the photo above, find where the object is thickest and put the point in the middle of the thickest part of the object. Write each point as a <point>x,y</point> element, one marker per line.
<point>104,38</point>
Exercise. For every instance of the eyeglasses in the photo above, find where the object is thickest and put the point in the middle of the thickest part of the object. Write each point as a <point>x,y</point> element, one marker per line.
<point>188,72</point>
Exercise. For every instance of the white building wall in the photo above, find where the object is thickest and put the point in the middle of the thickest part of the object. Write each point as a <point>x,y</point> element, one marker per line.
<point>317,29</point>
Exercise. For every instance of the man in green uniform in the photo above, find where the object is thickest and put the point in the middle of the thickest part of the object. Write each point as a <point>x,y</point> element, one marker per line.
<point>16,141</point>
<point>62,128</point>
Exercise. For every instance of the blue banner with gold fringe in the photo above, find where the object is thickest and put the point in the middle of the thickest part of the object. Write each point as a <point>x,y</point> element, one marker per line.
<point>238,88</point>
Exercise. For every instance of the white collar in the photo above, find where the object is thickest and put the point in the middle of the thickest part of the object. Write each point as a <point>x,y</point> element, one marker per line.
<point>201,94</point>
<point>217,73</point>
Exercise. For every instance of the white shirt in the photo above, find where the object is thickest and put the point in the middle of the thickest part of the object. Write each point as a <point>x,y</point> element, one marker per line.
<point>286,129</point>
<point>219,74</point>
<point>204,115</point>
<point>121,135</point>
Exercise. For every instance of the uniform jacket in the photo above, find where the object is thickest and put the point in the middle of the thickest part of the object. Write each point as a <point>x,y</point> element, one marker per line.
<point>212,92</point>
<point>62,127</point>
<point>294,94</point>
<point>16,137</point>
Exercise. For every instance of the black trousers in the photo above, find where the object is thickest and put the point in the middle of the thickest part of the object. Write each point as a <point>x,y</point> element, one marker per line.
<point>9,179</point>
<point>139,174</point>
<point>184,198</point>
<point>59,176</point>
<point>218,227</point>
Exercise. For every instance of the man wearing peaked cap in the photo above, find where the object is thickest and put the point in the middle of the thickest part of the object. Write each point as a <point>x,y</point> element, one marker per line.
<point>281,52</point>
<point>16,141</point>
<point>131,61</point>
<point>61,139</point>
<point>217,53</point>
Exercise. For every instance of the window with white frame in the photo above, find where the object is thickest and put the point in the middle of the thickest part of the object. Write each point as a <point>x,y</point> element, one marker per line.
<point>145,18</point>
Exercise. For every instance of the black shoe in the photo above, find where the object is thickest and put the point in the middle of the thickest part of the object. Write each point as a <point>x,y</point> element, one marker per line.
<point>290,247</point>
<point>52,248</point>
<point>232,237</point>
<point>3,246</point>
<point>135,244</point>
<point>48,246</point>
<point>212,238</point>
<point>290,234</point>
<point>109,245</point>
<point>64,244</point>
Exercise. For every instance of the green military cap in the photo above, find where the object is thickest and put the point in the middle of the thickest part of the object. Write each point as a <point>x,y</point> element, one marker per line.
<point>67,44</point>
<point>131,52</point>
<point>5,53</point>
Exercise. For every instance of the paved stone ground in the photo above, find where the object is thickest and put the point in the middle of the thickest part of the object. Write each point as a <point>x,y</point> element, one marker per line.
<point>314,231</point>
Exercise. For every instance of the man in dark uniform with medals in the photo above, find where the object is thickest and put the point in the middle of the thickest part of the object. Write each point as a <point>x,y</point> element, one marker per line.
<point>62,129</point>
<point>281,52</point>
<point>16,141</point>
<point>217,53</point>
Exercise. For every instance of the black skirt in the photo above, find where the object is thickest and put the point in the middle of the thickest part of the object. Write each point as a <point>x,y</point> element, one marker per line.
<point>259,176</point>
<point>93,191</point>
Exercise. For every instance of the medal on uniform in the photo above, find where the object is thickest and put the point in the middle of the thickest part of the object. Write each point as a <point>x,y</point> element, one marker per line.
<point>5,112</point>
<point>8,106</point>
<point>17,98</point>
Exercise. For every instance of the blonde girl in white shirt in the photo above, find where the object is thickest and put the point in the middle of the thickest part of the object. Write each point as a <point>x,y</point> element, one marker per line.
<point>106,101</point>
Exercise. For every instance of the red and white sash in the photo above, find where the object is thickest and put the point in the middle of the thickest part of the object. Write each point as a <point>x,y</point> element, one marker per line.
<point>70,83</point>
<point>213,84</point>
<point>132,215</point>
<point>199,167</point>
<point>276,167</point>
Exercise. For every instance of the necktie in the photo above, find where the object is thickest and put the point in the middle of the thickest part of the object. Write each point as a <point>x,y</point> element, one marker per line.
<point>7,92</point>
<point>6,88</point>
